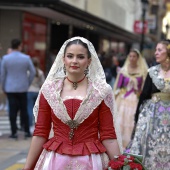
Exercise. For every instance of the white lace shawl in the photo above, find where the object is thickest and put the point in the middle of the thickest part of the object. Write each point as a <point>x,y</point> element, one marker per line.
<point>98,90</point>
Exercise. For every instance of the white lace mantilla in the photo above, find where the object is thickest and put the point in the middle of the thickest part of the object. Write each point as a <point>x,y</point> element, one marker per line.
<point>159,81</point>
<point>87,106</point>
<point>73,97</point>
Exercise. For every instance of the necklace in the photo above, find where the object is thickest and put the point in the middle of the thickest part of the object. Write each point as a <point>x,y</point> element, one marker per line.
<point>75,84</point>
<point>165,71</point>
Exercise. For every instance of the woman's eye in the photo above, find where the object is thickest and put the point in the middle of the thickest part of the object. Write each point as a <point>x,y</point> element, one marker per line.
<point>81,57</point>
<point>69,56</point>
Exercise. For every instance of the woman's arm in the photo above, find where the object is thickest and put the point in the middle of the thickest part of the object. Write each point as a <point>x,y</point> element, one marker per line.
<point>107,131</point>
<point>34,151</point>
<point>112,147</point>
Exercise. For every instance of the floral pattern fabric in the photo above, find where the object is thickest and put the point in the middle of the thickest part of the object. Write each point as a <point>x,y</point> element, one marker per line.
<point>152,136</point>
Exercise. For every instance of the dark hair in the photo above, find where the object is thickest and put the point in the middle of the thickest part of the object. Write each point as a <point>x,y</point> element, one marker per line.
<point>77,41</point>
<point>15,43</point>
<point>36,63</point>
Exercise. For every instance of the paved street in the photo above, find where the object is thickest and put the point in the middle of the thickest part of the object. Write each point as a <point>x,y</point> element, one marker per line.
<point>12,152</point>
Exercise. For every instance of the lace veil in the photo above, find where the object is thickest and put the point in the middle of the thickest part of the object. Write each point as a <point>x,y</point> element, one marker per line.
<point>95,75</point>
<point>142,65</point>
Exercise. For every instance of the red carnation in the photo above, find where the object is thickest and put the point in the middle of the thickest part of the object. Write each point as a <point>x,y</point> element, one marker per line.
<point>116,165</point>
<point>123,157</point>
<point>135,166</point>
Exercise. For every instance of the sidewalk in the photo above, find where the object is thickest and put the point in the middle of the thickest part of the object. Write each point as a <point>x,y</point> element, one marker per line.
<point>13,152</point>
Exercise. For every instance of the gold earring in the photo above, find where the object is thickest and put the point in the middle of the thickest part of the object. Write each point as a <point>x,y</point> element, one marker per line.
<point>167,60</point>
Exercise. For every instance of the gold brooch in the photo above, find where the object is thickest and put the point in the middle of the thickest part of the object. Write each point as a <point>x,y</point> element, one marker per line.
<point>73,124</point>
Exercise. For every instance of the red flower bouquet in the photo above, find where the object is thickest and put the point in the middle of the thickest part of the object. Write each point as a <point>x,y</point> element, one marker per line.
<point>126,162</point>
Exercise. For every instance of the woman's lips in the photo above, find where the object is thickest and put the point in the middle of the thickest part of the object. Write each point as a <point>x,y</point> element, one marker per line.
<point>74,67</point>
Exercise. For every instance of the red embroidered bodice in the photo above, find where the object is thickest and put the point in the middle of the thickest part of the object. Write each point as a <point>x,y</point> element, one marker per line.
<point>87,137</point>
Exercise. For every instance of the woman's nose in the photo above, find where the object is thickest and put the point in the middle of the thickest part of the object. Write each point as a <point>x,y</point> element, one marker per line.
<point>75,59</point>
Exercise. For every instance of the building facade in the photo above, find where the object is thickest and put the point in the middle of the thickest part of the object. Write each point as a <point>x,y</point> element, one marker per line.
<point>44,25</point>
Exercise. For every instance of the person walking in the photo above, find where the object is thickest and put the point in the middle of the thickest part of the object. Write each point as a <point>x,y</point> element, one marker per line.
<point>127,89</point>
<point>78,103</point>
<point>34,90</point>
<point>17,73</point>
<point>152,135</point>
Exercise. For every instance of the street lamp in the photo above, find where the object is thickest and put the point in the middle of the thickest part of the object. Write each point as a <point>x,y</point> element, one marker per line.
<point>144,8</point>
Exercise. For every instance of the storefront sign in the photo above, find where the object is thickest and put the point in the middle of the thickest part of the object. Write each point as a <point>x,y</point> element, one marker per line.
<point>138,27</point>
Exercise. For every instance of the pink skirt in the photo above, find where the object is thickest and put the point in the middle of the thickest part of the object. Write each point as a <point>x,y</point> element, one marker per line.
<point>50,160</point>
<point>126,108</point>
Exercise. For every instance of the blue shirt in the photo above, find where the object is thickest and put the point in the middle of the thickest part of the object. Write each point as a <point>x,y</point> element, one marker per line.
<point>17,72</point>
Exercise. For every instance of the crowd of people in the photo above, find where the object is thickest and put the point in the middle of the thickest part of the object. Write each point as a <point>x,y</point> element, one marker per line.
<point>96,107</point>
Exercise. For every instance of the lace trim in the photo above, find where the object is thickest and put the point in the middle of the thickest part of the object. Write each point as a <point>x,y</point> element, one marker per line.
<point>89,103</point>
<point>156,79</point>
<point>73,97</point>
<point>161,83</point>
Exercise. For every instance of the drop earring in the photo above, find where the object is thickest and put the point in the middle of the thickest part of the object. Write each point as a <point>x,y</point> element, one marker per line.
<point>167,60</point>
<point>64,68</point>
<point>86,71</point>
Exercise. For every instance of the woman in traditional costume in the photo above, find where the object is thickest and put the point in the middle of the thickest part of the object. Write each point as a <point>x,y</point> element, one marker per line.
<point>127,89</point>
<point>78,104</point>
<point>152,135</point>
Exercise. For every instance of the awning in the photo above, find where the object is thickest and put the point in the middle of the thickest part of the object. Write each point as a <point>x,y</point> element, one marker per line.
<point>54,9</point>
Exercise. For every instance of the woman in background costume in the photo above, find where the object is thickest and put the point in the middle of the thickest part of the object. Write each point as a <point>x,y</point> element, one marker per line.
<point>127,89</point>
<point>152,135</point>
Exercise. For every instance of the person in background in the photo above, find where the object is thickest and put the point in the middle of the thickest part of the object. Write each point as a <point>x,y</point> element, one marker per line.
<point>127,89</point>
<point>78,103</point>
<point>33,90</point>
<point>107,64</point>
<point>15,83</point>
<point>9,50</point>
<point>152,135</point>
<point>4,103</point>
<point>115,68</point>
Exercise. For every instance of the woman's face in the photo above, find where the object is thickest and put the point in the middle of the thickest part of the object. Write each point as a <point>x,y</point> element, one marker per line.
<point>133,58</point>
<point>160,53</point>
<point>76,59</point>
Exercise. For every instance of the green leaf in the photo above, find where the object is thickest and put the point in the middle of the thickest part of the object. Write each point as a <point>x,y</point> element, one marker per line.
<point>127,167</point>
<point>139,157</point>
<point>137,161</point>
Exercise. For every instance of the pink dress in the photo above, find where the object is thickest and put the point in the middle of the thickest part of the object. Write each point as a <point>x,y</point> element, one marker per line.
<point>85,150</point>
<point>129,87</point>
